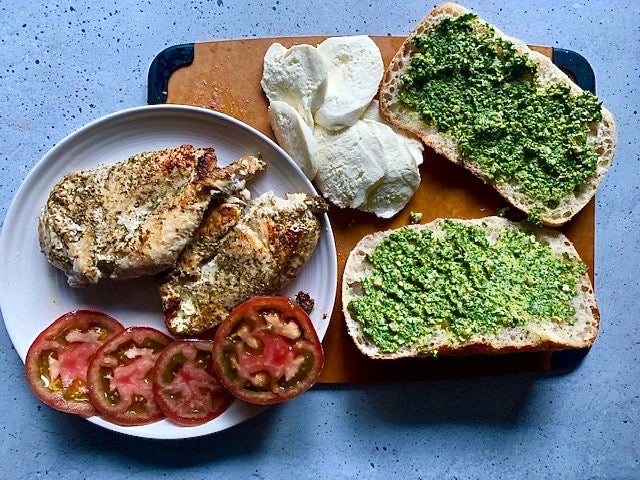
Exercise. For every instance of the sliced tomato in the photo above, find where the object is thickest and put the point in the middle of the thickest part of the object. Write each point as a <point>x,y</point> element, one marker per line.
<point>267,351</point>
<point>119,376</point>
<point>57,361</point>
<point>185,385</point>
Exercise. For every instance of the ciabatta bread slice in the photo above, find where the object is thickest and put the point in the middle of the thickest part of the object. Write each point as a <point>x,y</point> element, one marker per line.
<point>578,331</point>
<point>602,135</point>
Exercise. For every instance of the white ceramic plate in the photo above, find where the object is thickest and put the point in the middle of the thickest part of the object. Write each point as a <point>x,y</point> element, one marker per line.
<point>33,293</point>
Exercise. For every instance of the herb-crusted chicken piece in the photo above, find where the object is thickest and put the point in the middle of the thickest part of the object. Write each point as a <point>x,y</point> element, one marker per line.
<point>133,218</point>
<point>240,251</point>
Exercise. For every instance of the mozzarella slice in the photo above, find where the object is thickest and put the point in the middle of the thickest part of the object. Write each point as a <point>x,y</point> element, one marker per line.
<point>348,164</point>
<point>297,76</point>
<point>372,112</point>
<point>355,71</point>
<point>294,136</point>
<point>401,177</point>
<point>414,145</point>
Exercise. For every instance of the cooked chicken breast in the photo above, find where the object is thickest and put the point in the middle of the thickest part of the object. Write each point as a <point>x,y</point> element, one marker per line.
<point>133,218</point>
<point>239,253</point>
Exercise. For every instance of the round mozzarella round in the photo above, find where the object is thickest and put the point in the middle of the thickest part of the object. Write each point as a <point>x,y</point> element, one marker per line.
<point>294,136</point>
<point>297,76</point>
<point>355,71</point>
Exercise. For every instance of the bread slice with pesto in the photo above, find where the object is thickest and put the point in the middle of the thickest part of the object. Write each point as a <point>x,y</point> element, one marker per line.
<point>506,113</point>
<point>454,287</point>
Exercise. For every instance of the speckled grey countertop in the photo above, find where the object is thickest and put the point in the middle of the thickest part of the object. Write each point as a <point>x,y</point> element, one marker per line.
<point>64,64</point>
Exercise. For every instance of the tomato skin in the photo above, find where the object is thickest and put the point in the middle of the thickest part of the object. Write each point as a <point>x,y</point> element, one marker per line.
<point>267,351</point>
<point>185,386</point>
<point>57,360</point>
<point>119,376</point>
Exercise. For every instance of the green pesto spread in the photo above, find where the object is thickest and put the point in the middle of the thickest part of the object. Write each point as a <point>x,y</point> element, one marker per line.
<point>474,86</point>
<point>460,282</point>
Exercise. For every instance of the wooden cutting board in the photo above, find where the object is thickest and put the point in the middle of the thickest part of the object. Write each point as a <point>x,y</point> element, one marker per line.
<point>225,76</point>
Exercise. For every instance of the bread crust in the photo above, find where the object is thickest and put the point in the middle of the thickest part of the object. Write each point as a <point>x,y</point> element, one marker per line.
<point>603,134</point>
<point>542,336</point>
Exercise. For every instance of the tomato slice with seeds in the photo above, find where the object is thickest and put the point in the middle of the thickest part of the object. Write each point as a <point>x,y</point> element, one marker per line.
<point>185,385</point>
<point>119,376</point>
<point>57,361</point>
<point>267,351</point>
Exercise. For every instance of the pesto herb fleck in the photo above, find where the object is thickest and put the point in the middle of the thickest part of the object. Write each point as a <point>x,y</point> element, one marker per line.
<point>415,217</point>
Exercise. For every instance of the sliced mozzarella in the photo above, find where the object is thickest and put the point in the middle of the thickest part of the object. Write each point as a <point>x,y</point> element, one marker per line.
<point>414,145</point>
<point>294,136</point>
<point>297,76</point>
<point>355,71</point>
<point>372,112</point>
<point>348,164</point>
<point>401,177</point>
